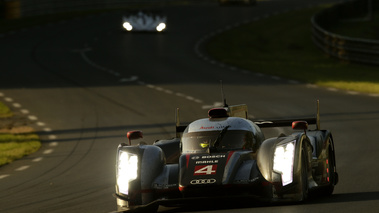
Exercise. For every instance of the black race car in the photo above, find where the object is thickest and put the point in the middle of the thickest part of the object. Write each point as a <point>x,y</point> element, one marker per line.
<point>224,156</point>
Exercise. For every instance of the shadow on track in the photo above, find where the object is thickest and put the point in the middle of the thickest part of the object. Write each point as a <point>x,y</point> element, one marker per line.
<point>225,205</point>
<point>346,198</point>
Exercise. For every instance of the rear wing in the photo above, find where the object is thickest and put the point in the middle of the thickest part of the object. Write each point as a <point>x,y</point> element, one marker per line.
<point>284,122</point>
<point>288,122</point>
<point>242,112</point>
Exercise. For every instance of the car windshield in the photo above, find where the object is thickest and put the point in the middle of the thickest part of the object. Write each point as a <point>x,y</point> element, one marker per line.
<point>200,142</point>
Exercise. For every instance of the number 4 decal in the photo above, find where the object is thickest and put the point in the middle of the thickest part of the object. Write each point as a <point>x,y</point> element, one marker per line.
<point>205,170</point>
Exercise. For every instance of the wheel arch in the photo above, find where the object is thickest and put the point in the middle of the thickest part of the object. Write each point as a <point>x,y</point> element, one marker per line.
<point>151,161</point>
<point>265,154</point>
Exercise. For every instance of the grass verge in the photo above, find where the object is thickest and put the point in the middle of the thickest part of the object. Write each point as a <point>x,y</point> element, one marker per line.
<point>15,146</point>
<point>281,45</point>
<point>16,142</point>
<point>5,112</point>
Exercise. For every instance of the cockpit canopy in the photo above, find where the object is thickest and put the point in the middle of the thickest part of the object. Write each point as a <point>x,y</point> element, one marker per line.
<point>200,142</point>
<point>221,134</point>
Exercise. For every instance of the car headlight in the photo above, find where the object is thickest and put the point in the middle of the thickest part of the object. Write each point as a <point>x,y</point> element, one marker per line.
<point>127,26</point>
<point>127,170</point>
<point>161,27</point>
<point>283,161</point>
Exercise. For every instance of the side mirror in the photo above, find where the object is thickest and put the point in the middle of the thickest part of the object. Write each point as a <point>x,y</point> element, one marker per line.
<point>132,135</point>
<point>300,125</point>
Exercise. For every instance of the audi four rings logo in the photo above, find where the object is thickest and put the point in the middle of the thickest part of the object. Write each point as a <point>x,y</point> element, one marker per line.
<point>203,181</point>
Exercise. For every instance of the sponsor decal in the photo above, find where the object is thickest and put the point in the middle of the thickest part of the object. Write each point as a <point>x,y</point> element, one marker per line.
<point>212,156</point>
<point>207,158</point>
<point>206,162</point>
<point>205,170</point>
<point>207,127</point>
<point>221,127</point>
<point>203,181</point>
<point>164,186</point>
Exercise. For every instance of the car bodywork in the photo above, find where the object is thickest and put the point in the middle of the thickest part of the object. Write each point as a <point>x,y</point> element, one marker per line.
<point>144,21</point>
<point>226,155</point>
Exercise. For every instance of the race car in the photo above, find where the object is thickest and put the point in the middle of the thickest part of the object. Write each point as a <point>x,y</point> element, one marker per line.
<point>226,156</point>
<point>144,21</point>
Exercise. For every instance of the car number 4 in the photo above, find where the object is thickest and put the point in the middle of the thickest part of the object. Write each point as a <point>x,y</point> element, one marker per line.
<point>205,170</point>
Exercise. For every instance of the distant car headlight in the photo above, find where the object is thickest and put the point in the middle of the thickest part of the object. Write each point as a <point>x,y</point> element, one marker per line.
<point>161,27</point>
<point>127,26</point>
<point>283,161</point>
<point>127,170</point>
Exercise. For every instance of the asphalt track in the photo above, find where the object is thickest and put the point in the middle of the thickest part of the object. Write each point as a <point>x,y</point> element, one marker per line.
<point>83,83</point>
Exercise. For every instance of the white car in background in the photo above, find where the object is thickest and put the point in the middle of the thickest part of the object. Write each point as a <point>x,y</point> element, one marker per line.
<point>144,21</point>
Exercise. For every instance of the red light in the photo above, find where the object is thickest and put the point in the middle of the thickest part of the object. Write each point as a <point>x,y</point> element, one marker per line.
<point>327,170</point>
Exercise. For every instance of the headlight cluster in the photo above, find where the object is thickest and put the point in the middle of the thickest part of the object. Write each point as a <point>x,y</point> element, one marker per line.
<point>127,26</point>
<point>283,161</point>
<point>127,170</point>
<point>161,27</point>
